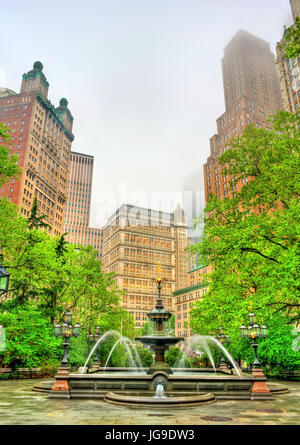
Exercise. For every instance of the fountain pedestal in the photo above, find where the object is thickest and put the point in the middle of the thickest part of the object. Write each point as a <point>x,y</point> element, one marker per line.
<point>159,343</point>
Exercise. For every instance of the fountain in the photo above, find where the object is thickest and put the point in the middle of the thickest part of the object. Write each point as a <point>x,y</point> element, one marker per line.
<point>161,385</point>
<point>160,342</point>
<point>135,363</point>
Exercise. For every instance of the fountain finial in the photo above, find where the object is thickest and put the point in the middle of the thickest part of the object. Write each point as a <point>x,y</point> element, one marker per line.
<point>159,272</point>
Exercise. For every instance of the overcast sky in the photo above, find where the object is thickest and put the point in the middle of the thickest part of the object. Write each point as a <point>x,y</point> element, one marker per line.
<point>143,79</point>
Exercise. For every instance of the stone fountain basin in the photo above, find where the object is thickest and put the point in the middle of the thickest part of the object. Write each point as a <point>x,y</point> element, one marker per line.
<point>148,399</point>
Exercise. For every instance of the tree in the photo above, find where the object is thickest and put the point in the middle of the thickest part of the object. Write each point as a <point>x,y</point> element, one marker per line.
<point>35,220</point>
<point>29,339</point>
<point>8,162</point>
<point>175,354</point>
<point>252,239</point>
<point>145,355</point>
<point>292,39</point>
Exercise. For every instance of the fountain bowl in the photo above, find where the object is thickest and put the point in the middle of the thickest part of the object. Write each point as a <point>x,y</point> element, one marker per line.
<point>159,340</point>
<point>169,400</point>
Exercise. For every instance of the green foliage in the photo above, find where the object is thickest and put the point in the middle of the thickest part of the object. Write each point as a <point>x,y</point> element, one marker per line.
<point>79,350</point>
<point>53,272</point>
<point>29,339</point>
<point>292,37</point>
<point>276,351</point>
<point>252,239</point>
<point>146,356</point>
<point>8,162</point>
<point>37,220</point>
<point>174,355</point>
<point>50,274</point>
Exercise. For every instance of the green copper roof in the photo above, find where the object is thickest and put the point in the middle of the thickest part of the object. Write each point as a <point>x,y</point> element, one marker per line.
<point>190,289</point>
<point>36,72</point>
<point>198,267</point>
<point>51,107</point>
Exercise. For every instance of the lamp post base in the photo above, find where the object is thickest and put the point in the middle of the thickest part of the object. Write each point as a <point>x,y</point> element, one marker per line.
<point>223,366</point>
<point>95,367</point>
<point>260,389</point>
<point>61,382</point>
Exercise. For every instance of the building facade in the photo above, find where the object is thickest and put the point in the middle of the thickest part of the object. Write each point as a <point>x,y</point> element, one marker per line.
<point>135,240</point>
<point>184,299</point>
<point>252,93</point>
<point>78,206</point>
<point>295,7</point>
<point>289,69</point>
<point>41,138</point>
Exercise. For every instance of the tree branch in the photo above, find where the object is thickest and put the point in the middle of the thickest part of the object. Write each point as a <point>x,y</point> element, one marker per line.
<point>274,242</point>
<point>250,249</point>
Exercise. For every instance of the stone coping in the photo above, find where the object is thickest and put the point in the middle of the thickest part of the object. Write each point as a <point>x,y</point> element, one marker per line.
<point>148,377</point>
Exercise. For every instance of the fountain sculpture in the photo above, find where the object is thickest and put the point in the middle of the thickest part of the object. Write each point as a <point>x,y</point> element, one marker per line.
<point>160,342</point>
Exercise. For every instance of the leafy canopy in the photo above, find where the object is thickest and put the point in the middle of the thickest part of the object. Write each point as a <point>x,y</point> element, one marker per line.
<point>252,240</point>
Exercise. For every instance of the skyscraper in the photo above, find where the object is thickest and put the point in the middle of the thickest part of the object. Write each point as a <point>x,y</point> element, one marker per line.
<point>41,138</point>
<point>78,206</point>
<point>252,92</point>
<point>289,69</point>
<point>135,241</point>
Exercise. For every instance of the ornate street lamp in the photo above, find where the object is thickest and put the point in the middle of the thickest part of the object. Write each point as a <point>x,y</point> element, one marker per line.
<point>97,335</point>
<point>4,277</point>
<point>66,330</point>
<point>224,339</point>
<point>92,339</point>
<point>253,332</point>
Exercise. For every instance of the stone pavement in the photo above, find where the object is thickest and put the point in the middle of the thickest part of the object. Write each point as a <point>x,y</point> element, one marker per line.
<point>21,406</point>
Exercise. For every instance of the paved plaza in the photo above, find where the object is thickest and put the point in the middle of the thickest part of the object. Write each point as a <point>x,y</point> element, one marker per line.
<point>19,405</point>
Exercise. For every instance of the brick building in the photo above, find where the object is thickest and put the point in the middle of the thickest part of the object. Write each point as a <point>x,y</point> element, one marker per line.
<point>41,138</point>
<point>252,93</point>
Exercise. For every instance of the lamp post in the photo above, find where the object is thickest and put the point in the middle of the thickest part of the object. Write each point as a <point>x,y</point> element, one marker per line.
<point>4,277</point>
<point>66,330</point>
<point>260,388</point>
<point>253,332</point>
<point>224,339</point>
<point>93,338</point>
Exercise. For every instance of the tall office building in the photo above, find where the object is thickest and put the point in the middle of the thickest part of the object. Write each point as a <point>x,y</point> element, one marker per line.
<point>289,69</point>
<point>135,241</point>
<point>41,138</point>
<point>252,92</point>
<point>77,216</point>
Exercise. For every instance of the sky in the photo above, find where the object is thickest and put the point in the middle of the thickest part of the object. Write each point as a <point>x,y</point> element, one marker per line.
<point>143,80</point>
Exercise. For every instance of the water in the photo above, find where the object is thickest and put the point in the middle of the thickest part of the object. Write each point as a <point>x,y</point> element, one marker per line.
<point>134,362</point>
<point>160,391</point>
<point>199,344</point>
